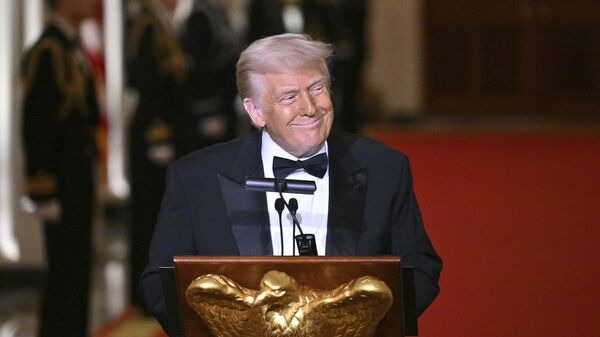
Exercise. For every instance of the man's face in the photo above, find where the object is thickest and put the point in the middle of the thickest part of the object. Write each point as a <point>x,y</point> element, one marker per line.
<point>79,10</point>
<point>295,108</point>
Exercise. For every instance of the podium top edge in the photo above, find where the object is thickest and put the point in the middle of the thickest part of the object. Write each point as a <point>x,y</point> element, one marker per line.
<point>287,259</point>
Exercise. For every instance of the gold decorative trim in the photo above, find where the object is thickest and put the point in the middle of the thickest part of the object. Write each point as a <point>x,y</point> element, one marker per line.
<point>158,132</point>
<point>40,185</point>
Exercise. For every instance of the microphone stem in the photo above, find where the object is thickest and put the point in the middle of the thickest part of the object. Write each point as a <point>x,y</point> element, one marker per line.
<point>281,233</point>
<point>294,219</point>
<point>293,242</point>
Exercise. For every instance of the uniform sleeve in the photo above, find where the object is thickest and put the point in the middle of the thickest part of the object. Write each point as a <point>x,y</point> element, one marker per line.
<point>43,100</point>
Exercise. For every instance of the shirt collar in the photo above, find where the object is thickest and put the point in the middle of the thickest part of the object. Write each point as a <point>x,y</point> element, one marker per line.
<point>64,26</point>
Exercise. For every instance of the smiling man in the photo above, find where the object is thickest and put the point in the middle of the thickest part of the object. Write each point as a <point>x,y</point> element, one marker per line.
<point>291,100</point>
<point>364,203</point>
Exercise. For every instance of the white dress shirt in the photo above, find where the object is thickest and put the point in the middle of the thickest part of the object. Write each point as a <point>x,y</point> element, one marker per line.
<point>312,209</point>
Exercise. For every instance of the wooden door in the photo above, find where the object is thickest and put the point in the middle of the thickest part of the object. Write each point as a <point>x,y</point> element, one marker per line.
<point>512,57</point>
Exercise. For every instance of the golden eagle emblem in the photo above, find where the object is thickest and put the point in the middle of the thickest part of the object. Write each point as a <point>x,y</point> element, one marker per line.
<point>283,308</point>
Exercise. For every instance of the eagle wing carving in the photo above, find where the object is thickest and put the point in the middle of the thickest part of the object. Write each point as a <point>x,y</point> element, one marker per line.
<point>225,306</point>
<point>353,309</point>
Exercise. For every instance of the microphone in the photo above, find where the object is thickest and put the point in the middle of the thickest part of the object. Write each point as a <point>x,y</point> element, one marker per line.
<point>279,205</point>
<point>307,244</point>
<point>293,205</point>
<point>280,185</point>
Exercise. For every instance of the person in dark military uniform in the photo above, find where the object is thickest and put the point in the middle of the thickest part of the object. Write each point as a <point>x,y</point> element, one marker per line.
<point>265,18</point>
<point>161,129</point>
<point>59,122</point>
<point>210,43</point>
<point>343,23</point>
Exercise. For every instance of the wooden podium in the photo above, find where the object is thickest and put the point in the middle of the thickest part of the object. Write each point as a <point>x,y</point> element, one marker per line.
<point>319,272</point>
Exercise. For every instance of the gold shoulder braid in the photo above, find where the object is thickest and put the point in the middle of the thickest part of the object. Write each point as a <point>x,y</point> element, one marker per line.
<point>171,60</point>
<point>70,77</point>
<point>281,307</point>
<point>77,86</point>
<point>56,51</point>
<point>134,37</point>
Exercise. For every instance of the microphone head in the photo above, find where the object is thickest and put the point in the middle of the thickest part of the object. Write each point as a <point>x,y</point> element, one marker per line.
<point>280,185</point>
<point>279,205</point>
<point>293,205</point>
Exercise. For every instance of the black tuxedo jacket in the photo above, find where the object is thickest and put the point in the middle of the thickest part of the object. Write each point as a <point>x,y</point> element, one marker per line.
<point>372,210</point>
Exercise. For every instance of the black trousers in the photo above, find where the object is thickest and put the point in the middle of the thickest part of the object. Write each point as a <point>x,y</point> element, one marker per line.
<point>66,289</point>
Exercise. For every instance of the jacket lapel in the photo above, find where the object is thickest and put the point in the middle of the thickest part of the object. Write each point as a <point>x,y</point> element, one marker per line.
<point>247,211</point>
<point>347,189</point>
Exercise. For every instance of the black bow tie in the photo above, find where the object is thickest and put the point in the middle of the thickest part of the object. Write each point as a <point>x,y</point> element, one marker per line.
<point>316,166</point>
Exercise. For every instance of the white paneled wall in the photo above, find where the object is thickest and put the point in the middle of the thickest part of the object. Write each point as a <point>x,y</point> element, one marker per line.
<point>394,69</point>
<point>20,235</point>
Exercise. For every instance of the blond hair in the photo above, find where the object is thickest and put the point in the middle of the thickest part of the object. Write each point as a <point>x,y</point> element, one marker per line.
<point>275,53</point>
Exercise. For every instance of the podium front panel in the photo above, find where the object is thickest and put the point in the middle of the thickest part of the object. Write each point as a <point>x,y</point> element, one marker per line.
<point>317,272</point>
